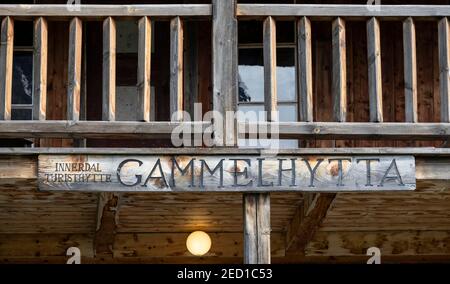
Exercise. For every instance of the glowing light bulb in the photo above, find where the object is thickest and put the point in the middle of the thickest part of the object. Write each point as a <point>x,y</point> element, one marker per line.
<point>198,243</point>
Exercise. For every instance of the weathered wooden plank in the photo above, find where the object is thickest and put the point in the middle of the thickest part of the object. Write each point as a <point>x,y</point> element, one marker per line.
<point>390,243</point>
<point>423,154</point>
<point>410,70</point>
<point>324,130</point>
<point>74,81</point>
<point>291,10</point>
<point>374,61</point>
<point>144,69</point>
<point>6,67</point>
<point>304,72</point>
<point>332,130</point>
<point>264,229</point>
<point>42,245</point>
<point>98,129</point>
<point>270,70</point>
<point>105,233</point>
<point>256,228</point>
<point>226,174</point>
<point>225,83</point>
<point>176,69</point>
<point>101,11</point>
<point>444,68</point>
<point>301,232</point>
<point>109,70</point>
<point>174,245</point>
<point>339,71</point>
<point>40,69</point>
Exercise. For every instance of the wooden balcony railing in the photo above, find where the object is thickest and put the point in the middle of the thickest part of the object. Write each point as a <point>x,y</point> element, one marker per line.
<point>225,15</point>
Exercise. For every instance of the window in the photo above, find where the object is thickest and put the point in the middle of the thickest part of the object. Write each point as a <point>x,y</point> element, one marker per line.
<point>22,85</point>
<point>251,74</point>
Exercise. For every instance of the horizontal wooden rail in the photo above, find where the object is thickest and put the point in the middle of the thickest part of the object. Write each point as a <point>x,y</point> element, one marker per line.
<point>418,152</point>
<point>295,10</point>
<point>338,130</point>
<point>104,11</point>
<point>150,130</point>
<point>94,129</point>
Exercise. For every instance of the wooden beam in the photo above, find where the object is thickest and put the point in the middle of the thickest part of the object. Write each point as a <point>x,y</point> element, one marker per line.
<point>102,11</point>
<point>348,11</point>
<point>176,69</point>
<point>40,69</point>
<point>410,70</point>
<point>353,130</point>
<point>444,68</point>
<point>339,71</point>
<point>98,129</point>
<point>322,130</point>
<point>307,221</point>
<point>144,69</point>
<point>392,243</point>
<point>6,67</point>
<point>374,61</point>
<point>225,82</point>
<point>270,69</point>
<point>109,70</point>
<point>74,81</point>
<point>257,228</point>
<point>304,72</point>
<point>107,219</point>
<point>420,153</point>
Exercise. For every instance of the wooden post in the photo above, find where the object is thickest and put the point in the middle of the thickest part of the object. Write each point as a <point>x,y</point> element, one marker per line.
<point>176,69</point>
<point>410,61</point>
<point>74,82</point>
<point>444,68</point>
<point>40,69</point>
<point>304,72</point>
<point>374,61</point>
<point>225,83</point>
<point>144,68</point>
<point>109,70</point>
<point>256,228</point>
<point>339,71</point>
<point>270,69</point>
<point>6,67</point>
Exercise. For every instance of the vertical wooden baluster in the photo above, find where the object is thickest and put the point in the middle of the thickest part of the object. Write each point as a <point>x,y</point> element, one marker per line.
<point>270,69</point>
<point>176,69</point>
<point>410,69</point>
<point>374,61</point>
<point>109,70</point>
<point>74,81</point>
<point>144,68</point>
<point>40,69</point>
<point>304,72</point>
<point>6,67</point>
<point>444,68</point>
<point>339,71</point>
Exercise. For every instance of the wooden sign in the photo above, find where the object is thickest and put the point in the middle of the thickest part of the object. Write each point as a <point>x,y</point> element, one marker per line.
<point>225,173</point>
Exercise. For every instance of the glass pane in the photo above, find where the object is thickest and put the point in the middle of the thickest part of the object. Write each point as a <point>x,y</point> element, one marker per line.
<point>251,75</point>
<point>22,78</point>
<point>287,113</point>
<point>23,33</point>
<point>286,74</point>
<point>21,114</point>
<point>251,113</point>
<point>285,32</point>
<point>250,32</point>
